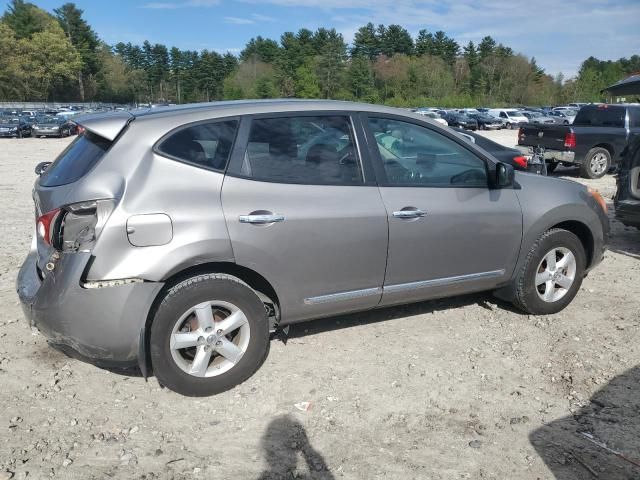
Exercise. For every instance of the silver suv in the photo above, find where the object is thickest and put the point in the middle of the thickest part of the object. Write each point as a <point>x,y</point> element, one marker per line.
<point>178,238</point>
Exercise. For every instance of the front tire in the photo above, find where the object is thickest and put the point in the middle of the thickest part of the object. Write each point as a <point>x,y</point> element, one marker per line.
<point>551,166</point>
<point>552,273</point>
<point>596,163</point>
<point>209,334</point>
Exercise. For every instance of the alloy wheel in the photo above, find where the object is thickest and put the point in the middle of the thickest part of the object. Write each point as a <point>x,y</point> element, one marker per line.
<point>555,274</point>
<point>598,163</point>
<point>210,338</point>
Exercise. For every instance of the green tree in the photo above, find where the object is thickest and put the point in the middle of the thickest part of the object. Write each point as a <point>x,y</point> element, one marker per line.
<point>47,58</point>
<point>84,40</point>
<point>306,82</point>
<point>366,42</point>
<point>396,39</point>
<point>261,49</point>
<point>25,18</point>
<point>360,78</point>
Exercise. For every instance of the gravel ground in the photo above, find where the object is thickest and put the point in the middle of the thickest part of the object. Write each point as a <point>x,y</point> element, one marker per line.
<point>457,388</point>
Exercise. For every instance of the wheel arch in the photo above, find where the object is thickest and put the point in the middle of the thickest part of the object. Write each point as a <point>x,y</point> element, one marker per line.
<point>584,234</point>
<point>252,278</point>
<point>608,147</point>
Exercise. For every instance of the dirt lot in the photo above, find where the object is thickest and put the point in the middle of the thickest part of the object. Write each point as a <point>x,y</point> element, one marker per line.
<point>459,388</point>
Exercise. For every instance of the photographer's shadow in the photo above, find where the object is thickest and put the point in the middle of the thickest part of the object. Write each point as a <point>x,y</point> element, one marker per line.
<point>285,442</point>
<point>601,440</point>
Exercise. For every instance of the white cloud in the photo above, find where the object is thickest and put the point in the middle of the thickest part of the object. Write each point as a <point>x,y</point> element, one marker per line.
<point>239,21</point>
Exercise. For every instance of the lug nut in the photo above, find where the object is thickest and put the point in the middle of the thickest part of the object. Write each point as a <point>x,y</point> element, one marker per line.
<point>218,343</point>
<point>219,332</point>
<point>200,339</point>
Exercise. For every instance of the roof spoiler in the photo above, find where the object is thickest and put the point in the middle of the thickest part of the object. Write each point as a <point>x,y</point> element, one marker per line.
<point>107,125</point>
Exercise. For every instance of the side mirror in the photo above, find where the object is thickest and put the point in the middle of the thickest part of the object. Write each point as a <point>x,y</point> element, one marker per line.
<point>504,175</point>
<point>41,167</point>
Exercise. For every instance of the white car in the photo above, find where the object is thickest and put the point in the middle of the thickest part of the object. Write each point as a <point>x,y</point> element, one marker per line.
<point>433,116</point>
<point>511,118</point>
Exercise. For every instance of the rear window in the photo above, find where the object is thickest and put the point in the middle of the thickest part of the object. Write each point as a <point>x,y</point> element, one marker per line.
<point>76,160</point>
<point>601,116</point>
<point>206,145</point>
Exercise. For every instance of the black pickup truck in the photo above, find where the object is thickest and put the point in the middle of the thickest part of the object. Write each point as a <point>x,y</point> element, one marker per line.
<point>595,140</point>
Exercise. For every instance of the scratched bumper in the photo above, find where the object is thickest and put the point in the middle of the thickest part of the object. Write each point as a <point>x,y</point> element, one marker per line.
<point>102,325</point>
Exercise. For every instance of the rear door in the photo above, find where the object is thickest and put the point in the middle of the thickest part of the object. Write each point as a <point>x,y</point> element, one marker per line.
<point>448,232</point>
<point>303,210</point>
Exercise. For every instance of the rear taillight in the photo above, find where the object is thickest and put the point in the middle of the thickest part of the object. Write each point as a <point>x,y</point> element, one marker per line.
<point>570,140</point>
<point>46,224</point>
<point>74,227</point>
<point>521,161</point>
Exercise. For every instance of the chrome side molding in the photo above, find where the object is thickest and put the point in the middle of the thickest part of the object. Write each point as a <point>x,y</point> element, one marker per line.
<point>401,287</point>
<point>342,296</point>
<point>438,282</point>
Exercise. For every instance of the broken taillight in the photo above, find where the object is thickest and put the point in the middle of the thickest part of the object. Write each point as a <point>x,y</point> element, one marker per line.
<point>74,227</point>
<point>45,225</point>
<point>521,161</point>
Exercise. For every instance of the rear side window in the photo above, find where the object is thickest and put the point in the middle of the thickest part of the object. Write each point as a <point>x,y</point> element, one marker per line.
<point>601,116</point>
<point>318,150</point>
<point>76,160</point>
<point>206,145</point>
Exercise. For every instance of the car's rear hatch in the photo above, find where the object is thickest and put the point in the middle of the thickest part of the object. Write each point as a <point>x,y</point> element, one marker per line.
<point>547,136</point>
<point>58,186</point>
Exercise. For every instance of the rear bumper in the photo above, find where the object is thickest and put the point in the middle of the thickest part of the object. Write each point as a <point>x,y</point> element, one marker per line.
<point>628,212</point>
<point>552,155</point>
<point>102,325</point>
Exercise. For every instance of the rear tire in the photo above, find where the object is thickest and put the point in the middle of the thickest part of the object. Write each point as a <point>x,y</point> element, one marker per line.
<point>229,356</point>
<point>596,163</point>
<point>552,273</point>
<point>551,166</point>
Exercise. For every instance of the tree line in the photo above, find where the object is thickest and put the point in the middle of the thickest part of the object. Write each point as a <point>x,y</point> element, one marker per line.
<point>59,57</point>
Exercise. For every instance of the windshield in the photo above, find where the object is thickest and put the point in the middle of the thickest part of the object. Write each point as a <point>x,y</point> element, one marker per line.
<point>515,113</point>
<point>47,119</point>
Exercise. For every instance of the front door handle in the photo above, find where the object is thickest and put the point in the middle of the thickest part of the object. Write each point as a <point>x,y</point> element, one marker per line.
<point>261,219</point>
<point>409,213</point>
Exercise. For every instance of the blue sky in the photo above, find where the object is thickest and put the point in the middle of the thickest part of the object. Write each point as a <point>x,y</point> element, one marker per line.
<point>559,33</point>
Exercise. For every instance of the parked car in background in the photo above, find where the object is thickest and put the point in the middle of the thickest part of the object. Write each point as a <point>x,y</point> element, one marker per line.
<point>190,233</point>
<point>53,126</point>
<point>577,106</point>
<point>455,119</point>
<point>486,121</point>
<point>596,140</point>
<point>562,117</point>
<point>627,198</point>
<point>538,117</point>
<point>433,116</point>
<point>14,127</point>
<point>511,118</point>
<point>510,156</point>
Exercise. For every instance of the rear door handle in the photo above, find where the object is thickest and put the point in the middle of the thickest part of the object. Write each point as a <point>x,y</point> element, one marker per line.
<point>409,213</point>
<point>261,219</point>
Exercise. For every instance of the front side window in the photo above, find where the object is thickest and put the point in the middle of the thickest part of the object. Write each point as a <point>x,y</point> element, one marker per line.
<point>314,150</point>
<point>417,156</point>
<point>206,145</point>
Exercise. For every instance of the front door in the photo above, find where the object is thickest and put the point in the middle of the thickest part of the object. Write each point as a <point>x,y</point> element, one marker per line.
<point>301,213</point>
<point>448,232</point>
